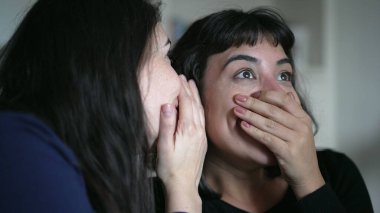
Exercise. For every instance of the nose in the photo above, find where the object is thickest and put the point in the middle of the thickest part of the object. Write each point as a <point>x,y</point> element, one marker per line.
<point>267,83</point>
<point>270,83</point>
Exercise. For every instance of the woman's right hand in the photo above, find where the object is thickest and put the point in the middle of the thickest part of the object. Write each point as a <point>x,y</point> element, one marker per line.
<point>277,120</point>
<point>181,149</point>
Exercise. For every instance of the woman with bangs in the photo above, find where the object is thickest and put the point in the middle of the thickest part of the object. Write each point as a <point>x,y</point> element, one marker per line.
<point>261,156</point>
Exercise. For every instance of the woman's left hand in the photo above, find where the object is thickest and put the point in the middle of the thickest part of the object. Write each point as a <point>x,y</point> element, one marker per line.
<point>277,120</point>
<point>181,149</point>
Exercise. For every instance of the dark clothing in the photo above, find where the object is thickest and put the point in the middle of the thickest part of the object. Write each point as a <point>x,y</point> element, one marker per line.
<point>38,172</point>
<point>344,191</point>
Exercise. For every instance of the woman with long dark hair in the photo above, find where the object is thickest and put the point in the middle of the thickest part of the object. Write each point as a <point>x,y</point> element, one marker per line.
<point>91,108</point>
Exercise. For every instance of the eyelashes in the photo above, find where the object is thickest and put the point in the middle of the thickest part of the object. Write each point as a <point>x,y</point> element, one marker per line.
<point>285,76</point>
<point>248,73</point>
<point>245,73</point>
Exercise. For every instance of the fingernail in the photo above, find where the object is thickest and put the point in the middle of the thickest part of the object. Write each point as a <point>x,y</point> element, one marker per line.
<point>240,110</point>
<point>245,124</point>
<point>167,109</point>
<point>241,98</point>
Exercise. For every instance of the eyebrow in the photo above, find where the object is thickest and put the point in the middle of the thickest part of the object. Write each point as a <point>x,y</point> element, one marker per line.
<point>253,60</point>
<point>240,57</point>
<point>284,61</point>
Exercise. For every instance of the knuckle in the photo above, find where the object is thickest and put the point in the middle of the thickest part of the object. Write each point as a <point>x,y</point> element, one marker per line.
<point>304,128</point>
<point>272,110</point>
<point>308,120</point>
<point>270,124</point>
<point>286,100</point>
<point>184,126</point>
<point>250,116</point>
<point>251,101</point>
<point>191,128</point>
<point>266,138</point>
<point>257,131</point>
<point>307,124</point>
<point>304,117</point>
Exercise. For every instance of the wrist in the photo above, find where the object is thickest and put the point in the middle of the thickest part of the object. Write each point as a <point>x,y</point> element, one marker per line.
<point>182,197</point>
<point>307,187</point>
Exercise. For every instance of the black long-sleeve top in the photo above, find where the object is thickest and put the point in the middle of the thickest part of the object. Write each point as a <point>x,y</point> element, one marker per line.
<point>344,191</point>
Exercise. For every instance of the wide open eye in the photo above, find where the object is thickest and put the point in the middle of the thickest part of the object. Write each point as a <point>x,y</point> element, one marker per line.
<point>285,76</point>
<point>245,74</point>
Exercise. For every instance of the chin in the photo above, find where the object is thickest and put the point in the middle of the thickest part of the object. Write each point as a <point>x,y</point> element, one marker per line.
<point>258,154</point>
<point>272,161</point>
<point>255,149</point>
<point>268,157</point>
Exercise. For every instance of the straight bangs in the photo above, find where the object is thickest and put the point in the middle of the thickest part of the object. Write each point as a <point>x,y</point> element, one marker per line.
<point>235,28</point>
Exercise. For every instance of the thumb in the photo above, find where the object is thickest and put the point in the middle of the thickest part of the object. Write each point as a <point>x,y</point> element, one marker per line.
<point>168,120</point>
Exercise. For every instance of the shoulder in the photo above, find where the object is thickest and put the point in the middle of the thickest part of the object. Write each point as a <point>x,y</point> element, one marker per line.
<point>331,162</point>
<point>345,179</point>
<point>24,134</point>
<point>335,166</point>
<point>16,123</point>
<point>39,171</point>
<point>331,155</point>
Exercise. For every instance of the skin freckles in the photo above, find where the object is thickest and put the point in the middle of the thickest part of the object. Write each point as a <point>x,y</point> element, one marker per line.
<point>159,83</point>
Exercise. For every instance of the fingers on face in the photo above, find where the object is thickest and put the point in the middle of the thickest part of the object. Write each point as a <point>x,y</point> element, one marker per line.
<point>278,108</point>
<point>190,102</point>
<point>287,101</point>
<point>197,103</point>
<point>168,121</point>
<point>272,142</point>
<point>264,124</point>
<point>184,101</point>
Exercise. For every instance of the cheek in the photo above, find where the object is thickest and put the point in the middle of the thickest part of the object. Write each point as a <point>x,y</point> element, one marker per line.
<point>169,82</point>
<point>220,96</point>
<point>218,105</point>
<point>176,84</point>
<point>165,90</point>
<point>152,111</point>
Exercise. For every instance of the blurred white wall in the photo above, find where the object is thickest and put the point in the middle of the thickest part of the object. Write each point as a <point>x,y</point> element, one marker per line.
<point>11,13</point>
<point>338,51</point>
<point>356,49</point>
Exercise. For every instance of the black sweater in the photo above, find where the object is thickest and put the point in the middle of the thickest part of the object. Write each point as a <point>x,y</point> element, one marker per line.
<point>344,191</point>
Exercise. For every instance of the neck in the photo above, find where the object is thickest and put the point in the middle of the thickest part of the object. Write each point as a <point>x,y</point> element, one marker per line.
<point>244,187</point>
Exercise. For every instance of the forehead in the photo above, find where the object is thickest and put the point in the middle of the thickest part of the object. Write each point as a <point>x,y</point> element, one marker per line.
<point>263,50</point>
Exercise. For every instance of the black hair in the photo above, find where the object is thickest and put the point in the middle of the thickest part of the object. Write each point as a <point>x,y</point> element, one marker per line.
<point>75,65</point>
<point>222,30</point>
<point>219,31</point>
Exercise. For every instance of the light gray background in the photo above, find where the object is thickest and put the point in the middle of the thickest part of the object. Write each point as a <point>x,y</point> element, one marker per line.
<point>338,51</point>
